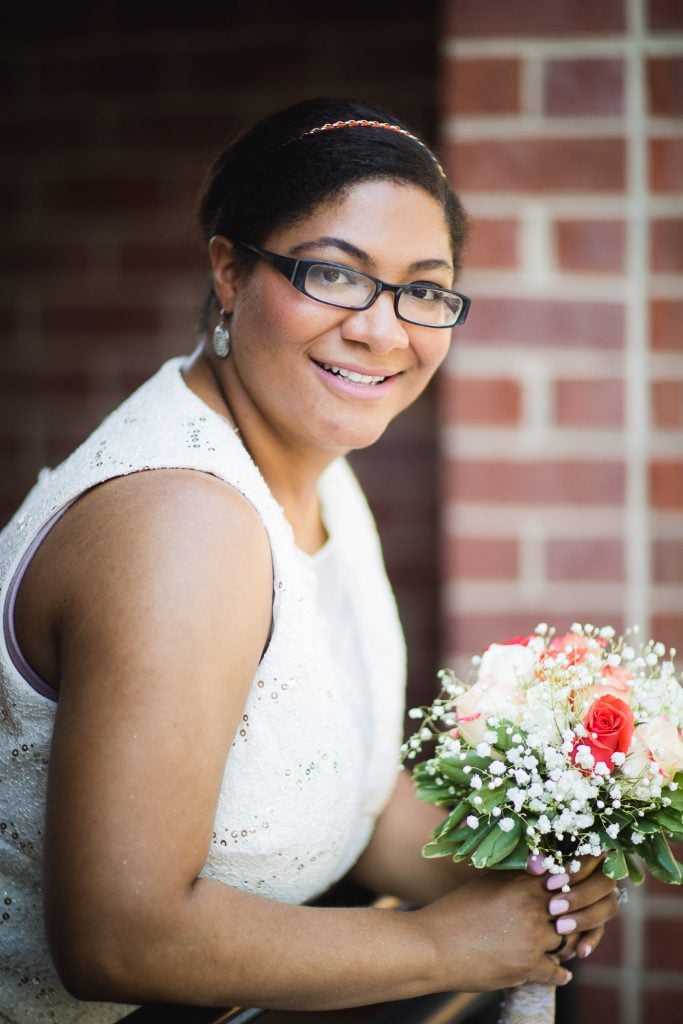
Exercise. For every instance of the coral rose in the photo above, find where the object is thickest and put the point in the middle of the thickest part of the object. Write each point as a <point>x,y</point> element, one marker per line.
<point>609,724</point>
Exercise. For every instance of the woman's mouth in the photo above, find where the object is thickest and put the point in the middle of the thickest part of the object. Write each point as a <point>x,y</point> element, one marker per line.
<point>352,375</point>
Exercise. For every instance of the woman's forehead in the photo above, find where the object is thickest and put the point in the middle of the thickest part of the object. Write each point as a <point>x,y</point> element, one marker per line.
<point>375,218</point>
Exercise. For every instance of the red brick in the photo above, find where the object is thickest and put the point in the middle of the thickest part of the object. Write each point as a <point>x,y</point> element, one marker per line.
<point>666,242</point>
<point>157,257</point>
<point>610,951</point>
<point>530,18</point>
<point>43,384</point>
<point>44,257</point>
<point>492,244</point>
<point>596,560</point>
<point>106,196</point>
<point>664,14</point>
<point>38,133</point>
<point>571,483</point>
<point>97,74</point>
<point>539,165</point>
<point>100,321</point>
<point>669,630</point>
<point>480,558</point>
<point>667,404</point>
<point>589,403</point>
<point>589,86</point>
<point>591,245</point>
<point>596,1004</point>
<point>546,323</point>
<point>666,484</point>
<point>662,1006</point>
<point>666,325</point>
<point>667,561</point>
<point>481,401</point>
<point>198,130</point>
<point>484,86</point>
<point>665,85</point>
<point>666,165</point>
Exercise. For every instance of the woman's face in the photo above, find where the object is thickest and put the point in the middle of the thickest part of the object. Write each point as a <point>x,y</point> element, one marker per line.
<point>287,349</point>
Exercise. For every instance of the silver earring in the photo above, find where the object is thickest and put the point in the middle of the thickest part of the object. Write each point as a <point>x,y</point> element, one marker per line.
<point>221,337</point>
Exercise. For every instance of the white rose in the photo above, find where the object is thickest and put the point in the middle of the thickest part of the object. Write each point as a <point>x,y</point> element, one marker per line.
<point>496,692</point>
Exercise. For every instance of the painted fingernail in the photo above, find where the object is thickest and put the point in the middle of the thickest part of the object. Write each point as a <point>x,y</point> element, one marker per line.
<point>585,951</point>
<point>558,905</point>
<point>565,925</point>
<point>535,864</point>
<point>557,881</point>
<point>568,978</point>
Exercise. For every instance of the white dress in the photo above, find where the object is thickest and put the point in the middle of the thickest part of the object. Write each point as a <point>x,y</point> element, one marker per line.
<point>315,757</point>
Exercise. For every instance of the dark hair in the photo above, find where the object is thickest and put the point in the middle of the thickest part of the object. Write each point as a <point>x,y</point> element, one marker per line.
<point>270,176</point>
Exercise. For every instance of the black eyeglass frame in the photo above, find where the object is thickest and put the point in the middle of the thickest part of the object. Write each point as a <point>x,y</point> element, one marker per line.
<point>296,270</point>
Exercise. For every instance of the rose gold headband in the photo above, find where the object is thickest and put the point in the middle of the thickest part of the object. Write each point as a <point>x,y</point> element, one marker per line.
<point>331,125</point>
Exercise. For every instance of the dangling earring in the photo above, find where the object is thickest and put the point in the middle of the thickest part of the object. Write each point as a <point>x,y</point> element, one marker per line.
<point>221,337</point>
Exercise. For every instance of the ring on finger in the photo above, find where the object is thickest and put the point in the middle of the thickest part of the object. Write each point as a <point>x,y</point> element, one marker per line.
<point>560,948</point>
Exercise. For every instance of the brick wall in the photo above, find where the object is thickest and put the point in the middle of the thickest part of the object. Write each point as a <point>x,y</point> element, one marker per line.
<point>112,113</point>
<point>562,404</point>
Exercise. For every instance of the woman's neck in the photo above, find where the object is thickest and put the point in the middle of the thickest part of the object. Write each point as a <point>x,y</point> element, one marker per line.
<point>291,473</point>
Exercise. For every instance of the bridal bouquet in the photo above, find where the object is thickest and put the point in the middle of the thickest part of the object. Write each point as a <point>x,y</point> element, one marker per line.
<point>559,746</point>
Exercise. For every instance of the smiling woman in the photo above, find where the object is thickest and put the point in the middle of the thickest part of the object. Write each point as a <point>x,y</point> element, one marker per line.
<point>202,667</point>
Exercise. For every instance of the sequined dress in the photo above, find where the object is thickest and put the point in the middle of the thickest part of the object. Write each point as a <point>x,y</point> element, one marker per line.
<point>314,758</point>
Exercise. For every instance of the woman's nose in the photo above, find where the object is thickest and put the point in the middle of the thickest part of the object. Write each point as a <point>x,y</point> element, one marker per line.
<point>378,327</point>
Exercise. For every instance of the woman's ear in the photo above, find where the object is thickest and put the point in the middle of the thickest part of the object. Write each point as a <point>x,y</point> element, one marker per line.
<point>226,271</point>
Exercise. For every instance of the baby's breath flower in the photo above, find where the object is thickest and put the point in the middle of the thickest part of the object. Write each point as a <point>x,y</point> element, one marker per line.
<point>637,838</point>
<point>483,749</point>
<point>472,821</point>
<point>475,782</point>
<point>506,824</point>
<point>497,768</point>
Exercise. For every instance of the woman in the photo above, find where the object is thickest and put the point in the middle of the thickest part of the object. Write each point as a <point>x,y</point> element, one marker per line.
<point>202,665</point>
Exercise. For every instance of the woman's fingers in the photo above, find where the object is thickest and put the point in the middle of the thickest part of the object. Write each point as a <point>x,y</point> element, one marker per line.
<point>589,918</point>
<point>594,889</point>
<point>588,941</point>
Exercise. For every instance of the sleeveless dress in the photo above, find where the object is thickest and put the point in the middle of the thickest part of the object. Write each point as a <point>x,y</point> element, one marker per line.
<point>315,756</point>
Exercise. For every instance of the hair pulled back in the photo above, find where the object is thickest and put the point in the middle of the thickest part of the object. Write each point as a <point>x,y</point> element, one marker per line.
<point>269,177</point>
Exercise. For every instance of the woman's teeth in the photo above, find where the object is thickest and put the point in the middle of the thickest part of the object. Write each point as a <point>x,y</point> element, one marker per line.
<point>357,378</point>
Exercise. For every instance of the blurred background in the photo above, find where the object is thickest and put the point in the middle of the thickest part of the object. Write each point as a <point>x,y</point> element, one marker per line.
<point>541,478</point>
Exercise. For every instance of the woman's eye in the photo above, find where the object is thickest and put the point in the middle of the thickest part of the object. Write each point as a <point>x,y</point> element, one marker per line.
<point>424,293</point>
<point>330,275</point>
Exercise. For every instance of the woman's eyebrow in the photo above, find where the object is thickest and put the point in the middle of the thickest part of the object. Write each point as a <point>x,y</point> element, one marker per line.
<point>362,256</point>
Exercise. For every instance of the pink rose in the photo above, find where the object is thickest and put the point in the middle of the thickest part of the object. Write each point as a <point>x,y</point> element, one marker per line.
<point>497,691</point>
<point>655,743</point>
<point>609,724</point>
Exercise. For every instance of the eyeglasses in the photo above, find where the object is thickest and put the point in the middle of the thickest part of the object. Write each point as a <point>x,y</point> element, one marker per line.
<point>420,302</point>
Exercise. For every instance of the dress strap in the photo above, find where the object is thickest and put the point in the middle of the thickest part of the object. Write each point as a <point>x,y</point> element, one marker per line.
<point>13,649</point>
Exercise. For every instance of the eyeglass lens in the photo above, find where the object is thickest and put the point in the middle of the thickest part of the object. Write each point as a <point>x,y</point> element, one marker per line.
<point>348,288</point>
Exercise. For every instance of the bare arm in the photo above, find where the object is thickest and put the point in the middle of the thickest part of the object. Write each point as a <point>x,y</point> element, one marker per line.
<point>165,587</point>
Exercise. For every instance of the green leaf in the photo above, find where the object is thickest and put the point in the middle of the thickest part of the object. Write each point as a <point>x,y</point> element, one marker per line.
<point>474,838</point>
<point>660,860</point>
<point>443,848</point>
<point>635,872</point>
<point>490,798</point>
<point>668,820</point>
<point>515,861</point>
<point>496,846</point>
<point>452,821</point>
<point>615,865</point>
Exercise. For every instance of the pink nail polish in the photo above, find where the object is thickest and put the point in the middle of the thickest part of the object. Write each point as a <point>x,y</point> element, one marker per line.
<point>558,905</point>
<point>535,864</point>
<point>567,979</point>
<point>557,881</point>
<point>565,926</point>
<point>586,951</point>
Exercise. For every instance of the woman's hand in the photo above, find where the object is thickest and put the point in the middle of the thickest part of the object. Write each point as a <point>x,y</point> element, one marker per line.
<point>496,932</point>
<point>581,913</point>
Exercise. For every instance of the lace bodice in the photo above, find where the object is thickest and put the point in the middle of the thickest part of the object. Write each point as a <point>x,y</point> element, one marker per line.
<point>304,779</point>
